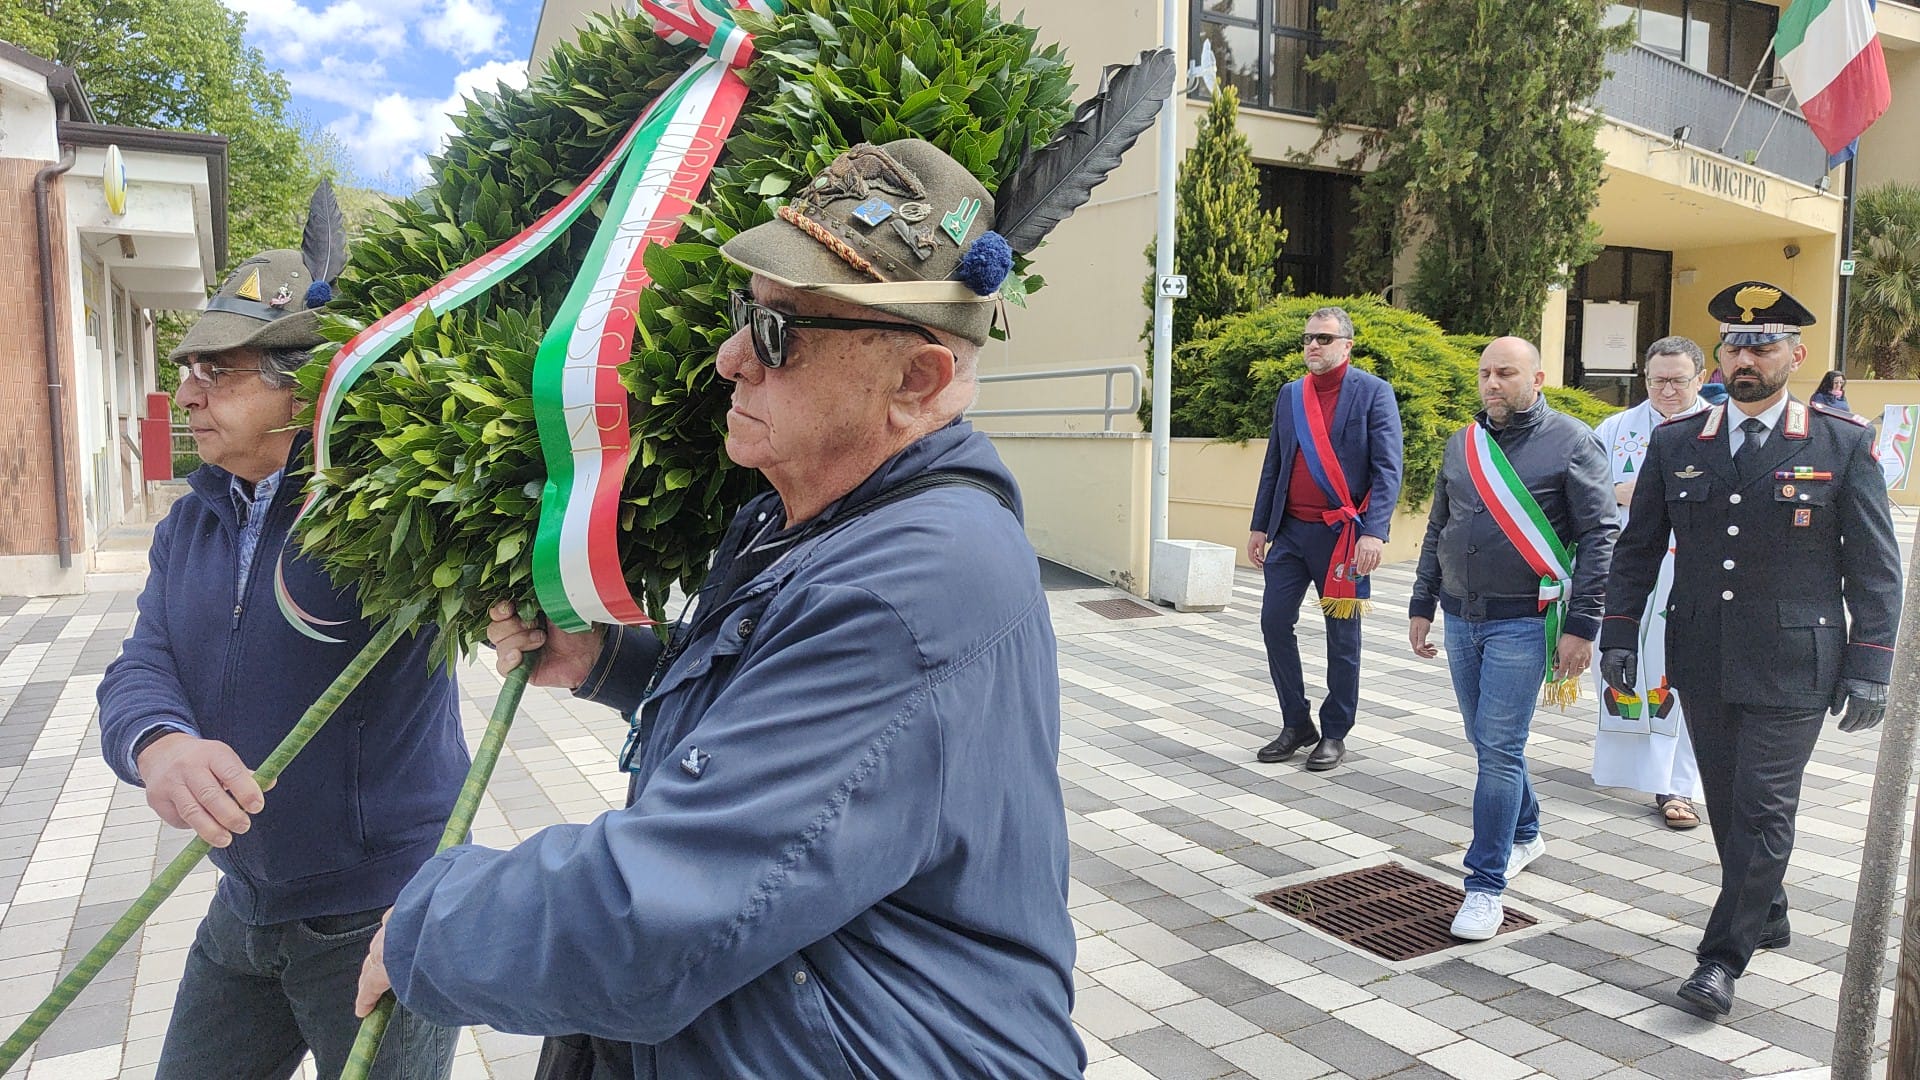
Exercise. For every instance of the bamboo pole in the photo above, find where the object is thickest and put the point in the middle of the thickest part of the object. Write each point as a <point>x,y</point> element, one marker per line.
<point>374,1028</point>
<point>122,931</point>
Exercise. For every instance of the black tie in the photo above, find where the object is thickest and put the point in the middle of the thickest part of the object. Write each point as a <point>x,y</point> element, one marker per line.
<point>1749,452</point>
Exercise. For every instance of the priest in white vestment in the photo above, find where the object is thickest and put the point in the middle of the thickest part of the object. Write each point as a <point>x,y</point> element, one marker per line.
<point>1643,744</point>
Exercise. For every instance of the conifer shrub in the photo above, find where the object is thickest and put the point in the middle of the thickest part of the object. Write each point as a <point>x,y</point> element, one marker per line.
<point>1228,377</point>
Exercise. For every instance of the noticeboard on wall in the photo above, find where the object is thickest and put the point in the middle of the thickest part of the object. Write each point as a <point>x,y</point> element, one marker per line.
<point>1609,337</point>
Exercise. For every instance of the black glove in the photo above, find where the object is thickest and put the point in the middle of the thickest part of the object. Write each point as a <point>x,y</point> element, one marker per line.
<point>1863,702</point>
<point>1618,669</point>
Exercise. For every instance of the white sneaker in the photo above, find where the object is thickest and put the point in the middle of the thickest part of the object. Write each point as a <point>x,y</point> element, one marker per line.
<point>1523,854</point>
<point>1479,917</point>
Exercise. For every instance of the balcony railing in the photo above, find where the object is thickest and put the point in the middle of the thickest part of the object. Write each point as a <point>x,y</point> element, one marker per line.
<point>1657,92</point>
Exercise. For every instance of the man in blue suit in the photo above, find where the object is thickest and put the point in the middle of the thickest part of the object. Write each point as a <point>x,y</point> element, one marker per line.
<point>1325,503</point>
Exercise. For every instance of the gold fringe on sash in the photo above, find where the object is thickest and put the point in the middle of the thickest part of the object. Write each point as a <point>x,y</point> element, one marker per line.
<point>1560,692</point>
<point>1345,607</point>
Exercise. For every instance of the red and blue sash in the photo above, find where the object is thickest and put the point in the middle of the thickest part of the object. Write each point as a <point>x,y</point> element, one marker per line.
<point>1343,595</point>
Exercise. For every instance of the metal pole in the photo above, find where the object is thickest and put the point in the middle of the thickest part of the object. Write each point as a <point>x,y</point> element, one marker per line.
<point>1846,252</point>
<point>1853,1038</point>
<point>1764,57</point>
<point>1163,268</point>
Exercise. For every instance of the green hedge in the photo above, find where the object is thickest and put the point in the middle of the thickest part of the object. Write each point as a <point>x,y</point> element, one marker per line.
<point>1227,378</point>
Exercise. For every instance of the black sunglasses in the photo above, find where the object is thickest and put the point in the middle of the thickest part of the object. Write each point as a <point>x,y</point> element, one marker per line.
<point>768,327</point>
<point>1322,339</point>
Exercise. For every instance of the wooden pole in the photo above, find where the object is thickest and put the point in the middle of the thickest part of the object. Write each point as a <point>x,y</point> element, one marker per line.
<point>1853,1031</point>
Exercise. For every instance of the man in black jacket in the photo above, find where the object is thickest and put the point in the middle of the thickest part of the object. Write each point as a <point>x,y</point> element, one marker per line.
<point>1518,538</point>
<point>1779,517</point>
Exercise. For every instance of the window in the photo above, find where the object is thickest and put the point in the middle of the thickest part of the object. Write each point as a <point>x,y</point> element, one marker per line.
<point>1620,273</point>
<point>1727,39</point>
<point>1316,209</point>
<point>1260,47</point>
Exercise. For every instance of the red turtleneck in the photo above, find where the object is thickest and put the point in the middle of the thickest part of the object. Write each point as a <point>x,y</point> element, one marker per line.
<point>1305,500</point>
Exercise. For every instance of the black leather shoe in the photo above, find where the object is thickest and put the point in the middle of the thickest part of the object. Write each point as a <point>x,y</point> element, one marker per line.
<point>1329,753</point>
<point>1709,988</point>
<point>1291,739</point>
<point>1775,935</point>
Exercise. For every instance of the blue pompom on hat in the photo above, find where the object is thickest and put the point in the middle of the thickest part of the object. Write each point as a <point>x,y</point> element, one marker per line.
<point>318,294</point>
<point>985,264</point>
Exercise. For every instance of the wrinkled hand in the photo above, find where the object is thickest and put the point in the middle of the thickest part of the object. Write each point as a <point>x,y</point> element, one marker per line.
<point>1257,549</point>
<point>1417,631</point>
<point>1620,669</point>
<point>200,784</point>
<point>1572,656</point>
<point>373,972</point>
<point>1366,555</point>
<point>1863,702</point>
<point>565,658</point>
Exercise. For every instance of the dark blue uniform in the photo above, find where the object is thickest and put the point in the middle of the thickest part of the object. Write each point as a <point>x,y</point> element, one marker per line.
<point>1786,580</point>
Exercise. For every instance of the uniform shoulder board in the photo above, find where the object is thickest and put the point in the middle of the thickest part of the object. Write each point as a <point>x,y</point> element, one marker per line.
<point>1828,410</point>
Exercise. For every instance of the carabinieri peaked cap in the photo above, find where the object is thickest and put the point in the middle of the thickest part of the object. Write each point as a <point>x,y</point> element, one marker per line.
<point>272,300</point>
<point>905,229</point>
<point>1756,313</point>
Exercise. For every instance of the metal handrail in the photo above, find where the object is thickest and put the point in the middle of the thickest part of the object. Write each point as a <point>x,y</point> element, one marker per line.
<point>1106,411</point>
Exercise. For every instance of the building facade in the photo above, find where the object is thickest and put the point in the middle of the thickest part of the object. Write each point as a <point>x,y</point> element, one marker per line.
<point>134,222</point>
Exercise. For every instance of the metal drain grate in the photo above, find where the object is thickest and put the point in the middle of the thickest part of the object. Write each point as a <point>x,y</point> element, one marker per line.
<point>1388,910</point>
<point>1119,609</point>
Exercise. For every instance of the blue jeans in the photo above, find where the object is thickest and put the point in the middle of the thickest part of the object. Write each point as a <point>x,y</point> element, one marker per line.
<point>1497,665</point>
<point>254,999</point>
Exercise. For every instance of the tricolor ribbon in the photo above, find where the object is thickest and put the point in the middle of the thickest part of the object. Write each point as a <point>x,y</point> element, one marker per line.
<point>1526,527</point>
<point>580,407</point>
<point>1344,593</point>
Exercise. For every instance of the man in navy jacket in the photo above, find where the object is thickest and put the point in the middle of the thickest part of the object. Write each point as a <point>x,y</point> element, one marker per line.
<point>213,677</point>
<point>1323,517</point>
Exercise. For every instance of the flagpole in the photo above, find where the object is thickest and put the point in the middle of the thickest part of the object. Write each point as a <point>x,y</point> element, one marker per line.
<point>1846,252</point>
<point>1757,68</point>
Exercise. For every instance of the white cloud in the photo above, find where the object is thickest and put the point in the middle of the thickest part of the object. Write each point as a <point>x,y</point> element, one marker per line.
<point>465,28</point>
<point>393,136</point>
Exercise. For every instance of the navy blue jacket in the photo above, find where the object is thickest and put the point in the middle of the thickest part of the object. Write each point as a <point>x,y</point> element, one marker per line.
<point>846,854</point>
<point>1366,438</point>
<point>363,805</point>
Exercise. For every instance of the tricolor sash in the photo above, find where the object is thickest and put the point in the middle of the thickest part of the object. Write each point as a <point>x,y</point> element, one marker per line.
<point>1526,527</point>
<point>1344,593</point>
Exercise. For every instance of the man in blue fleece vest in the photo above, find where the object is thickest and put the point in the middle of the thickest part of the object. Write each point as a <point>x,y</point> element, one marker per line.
<point>213,677</point>
<point>845,851</point>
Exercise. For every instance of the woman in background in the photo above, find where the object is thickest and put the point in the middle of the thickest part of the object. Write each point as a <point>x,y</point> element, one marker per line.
<point>1832,392</point>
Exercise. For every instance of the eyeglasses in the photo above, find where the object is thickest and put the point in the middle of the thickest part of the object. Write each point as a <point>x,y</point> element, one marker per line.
<point>768,327</point>
<point>1322,339</point>
<point>1670,384</point>
<point>207,374</point>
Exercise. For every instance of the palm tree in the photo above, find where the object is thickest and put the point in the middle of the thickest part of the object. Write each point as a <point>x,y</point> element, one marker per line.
<point>1883,317</point>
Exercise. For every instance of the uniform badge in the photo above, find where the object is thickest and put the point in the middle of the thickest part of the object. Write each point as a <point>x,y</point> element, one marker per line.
<point>873,211</point>
<point>918,238</point>
<point>1787,490</point>
<point>915,212</point>
<point>695,763</point>
<point>958,220</point>
<point>1803,517</point>
<point>1689,473</point>
<point>250,288</point>
<point>281,298</point>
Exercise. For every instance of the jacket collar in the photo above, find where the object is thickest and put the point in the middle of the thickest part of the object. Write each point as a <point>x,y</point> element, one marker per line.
<point>214,485</point>
<point>1525,418</point>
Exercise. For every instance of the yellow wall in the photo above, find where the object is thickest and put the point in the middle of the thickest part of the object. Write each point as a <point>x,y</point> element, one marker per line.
<point>1888,151</point>
<point>1808,277</point>
<point>1212,491</point>
<point>1087,501</point>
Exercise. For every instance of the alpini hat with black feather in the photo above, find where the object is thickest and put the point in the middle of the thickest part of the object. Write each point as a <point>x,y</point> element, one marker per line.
<point>272,300</point>
<point>905,229</point>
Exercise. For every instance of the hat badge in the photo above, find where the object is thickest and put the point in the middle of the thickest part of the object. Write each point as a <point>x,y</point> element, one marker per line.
<point>1755,296</point>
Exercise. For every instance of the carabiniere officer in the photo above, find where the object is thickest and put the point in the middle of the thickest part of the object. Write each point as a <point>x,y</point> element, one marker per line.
<point>1781,531</point>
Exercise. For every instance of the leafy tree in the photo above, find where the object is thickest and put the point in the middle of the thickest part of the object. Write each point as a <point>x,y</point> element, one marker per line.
<point>1883,303</point>
<point>1234,371</point>
<point>182,65</point>
<point>1467,113</point>
<point>1226,245</point>
<point>438,467</point>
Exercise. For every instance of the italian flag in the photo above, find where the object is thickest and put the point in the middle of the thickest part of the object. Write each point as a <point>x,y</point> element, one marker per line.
<point>1831,56</point>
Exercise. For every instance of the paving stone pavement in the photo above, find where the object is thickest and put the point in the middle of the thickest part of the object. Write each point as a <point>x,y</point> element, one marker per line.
<point>1174,828</point>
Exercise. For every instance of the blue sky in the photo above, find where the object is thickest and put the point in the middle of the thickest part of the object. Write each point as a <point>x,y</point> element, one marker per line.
<point>381,75</point>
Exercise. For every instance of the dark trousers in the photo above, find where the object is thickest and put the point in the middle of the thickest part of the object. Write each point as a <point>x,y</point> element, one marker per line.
<point>1751,760</point>
<point>1299,556</point>
<point>254,999</point>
